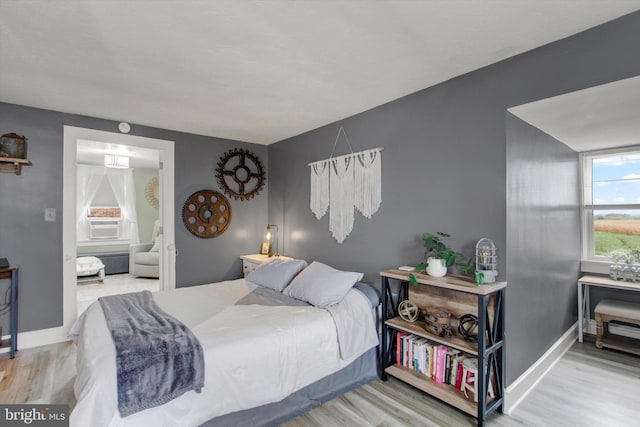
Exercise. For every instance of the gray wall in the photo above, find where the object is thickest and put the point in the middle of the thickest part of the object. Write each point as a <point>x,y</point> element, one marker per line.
<point>543,241</point>
<point>36,245</point>
<point>444,169</point>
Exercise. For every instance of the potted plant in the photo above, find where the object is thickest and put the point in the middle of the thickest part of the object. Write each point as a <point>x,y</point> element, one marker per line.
<point>615,270</point>
<point>438,256</point>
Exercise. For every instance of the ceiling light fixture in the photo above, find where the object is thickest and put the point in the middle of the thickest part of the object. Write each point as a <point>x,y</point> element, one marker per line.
<point>115,161</point>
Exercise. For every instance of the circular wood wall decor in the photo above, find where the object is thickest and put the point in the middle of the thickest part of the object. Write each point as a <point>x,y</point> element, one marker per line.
<point>206,214</point>
<point>240,174</point>
<point>151,192</point>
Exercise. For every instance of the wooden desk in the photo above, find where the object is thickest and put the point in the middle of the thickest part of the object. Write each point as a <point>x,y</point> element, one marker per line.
<point>12,273</point>
<point>583,296</point>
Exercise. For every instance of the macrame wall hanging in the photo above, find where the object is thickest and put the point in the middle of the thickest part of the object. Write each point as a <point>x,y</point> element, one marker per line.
<point>340,184</point>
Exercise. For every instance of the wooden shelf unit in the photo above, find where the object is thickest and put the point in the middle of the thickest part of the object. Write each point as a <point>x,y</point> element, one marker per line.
<point>12,165</point>
<point>12,273</point>
<point>417,328</point>
<point>445,392</point>
<point>486,301</point>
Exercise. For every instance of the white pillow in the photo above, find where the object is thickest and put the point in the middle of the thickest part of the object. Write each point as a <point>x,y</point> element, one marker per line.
<point>276,273</point>
<point>321,285</point>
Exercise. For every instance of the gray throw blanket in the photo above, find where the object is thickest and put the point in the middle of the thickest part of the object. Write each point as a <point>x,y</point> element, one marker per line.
<point>158,358</point>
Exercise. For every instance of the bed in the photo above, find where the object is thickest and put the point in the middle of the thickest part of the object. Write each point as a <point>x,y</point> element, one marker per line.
<point>275,344</point>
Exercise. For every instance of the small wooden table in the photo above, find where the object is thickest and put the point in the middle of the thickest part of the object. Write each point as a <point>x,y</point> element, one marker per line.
<point>584,283</point>
<point>12,273</point>
<point>252,261</point>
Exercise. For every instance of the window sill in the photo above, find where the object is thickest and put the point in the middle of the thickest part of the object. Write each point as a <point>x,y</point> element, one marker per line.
<point>103,242</point>
<point>595,267</point>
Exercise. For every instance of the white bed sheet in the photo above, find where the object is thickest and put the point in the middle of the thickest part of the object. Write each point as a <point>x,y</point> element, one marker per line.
<point>254,355</point>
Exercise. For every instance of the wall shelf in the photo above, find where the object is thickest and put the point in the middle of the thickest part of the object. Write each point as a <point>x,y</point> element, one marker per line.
<point>12,165</point>
<point>458,295</point>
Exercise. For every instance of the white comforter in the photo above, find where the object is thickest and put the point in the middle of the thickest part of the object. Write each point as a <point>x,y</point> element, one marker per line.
<point>254,354</point>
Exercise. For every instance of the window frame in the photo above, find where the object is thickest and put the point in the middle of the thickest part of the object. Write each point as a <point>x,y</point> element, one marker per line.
<point>100,241</point>
<point>587,209</point>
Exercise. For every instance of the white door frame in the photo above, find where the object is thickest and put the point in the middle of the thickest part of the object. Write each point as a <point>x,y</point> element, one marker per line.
<point>166,213</point>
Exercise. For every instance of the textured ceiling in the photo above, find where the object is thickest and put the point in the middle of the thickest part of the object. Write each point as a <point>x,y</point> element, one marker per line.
<point>261,71</point>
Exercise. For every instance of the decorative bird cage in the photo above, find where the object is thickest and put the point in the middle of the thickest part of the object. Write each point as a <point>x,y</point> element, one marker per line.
<point>486,261</point>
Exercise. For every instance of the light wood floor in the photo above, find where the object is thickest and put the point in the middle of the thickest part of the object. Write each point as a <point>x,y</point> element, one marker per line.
<point>587,387</point>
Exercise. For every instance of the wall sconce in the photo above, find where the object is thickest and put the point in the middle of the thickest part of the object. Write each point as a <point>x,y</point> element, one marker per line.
<point>270,242</point>
<point>115,161</point>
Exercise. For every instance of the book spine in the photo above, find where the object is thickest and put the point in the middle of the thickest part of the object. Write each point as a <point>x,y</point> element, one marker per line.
<point>399,343</point>
<point>459,378</point>
<point>432,360</point>
<point>405,349</point>
<point>410,355</point>
<point>447,367</point>
<point>455,357</point>
<point>439,364</point>
<point>424,357</point>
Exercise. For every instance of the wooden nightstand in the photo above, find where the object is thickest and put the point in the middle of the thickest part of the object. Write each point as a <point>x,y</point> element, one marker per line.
<point>250,262</point>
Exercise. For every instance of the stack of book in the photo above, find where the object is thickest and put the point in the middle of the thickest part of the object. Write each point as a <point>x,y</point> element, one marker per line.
<point>436,361</point>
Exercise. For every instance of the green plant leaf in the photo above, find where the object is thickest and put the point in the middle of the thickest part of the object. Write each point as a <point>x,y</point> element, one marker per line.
<point>466,267</point>
<point>422,266</point>
<point>412,279</point>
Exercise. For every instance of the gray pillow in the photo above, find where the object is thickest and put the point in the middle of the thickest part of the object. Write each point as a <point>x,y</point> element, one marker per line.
<point>276,273</point>
<point>321,285</point>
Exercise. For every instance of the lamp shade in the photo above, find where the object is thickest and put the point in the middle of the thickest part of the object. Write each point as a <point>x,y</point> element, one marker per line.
<point>271,236</point>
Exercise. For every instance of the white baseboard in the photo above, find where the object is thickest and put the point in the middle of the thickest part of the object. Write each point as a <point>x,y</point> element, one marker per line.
<point>38,338</point>
<point>519,389</point>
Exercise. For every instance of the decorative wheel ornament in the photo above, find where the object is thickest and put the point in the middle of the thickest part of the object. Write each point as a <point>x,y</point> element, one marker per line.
<point>408,311</point>
<point>206,214</point>
<point>151,192</point>
<point>240,174</point>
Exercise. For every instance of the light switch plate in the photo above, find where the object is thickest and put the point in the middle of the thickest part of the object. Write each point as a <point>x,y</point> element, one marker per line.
<point>50,214</point>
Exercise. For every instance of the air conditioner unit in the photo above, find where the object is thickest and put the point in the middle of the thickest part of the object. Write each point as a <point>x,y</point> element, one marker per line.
<point>104,229</point>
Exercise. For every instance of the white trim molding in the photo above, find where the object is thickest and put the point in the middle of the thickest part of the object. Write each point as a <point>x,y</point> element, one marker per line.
<point>38,338</point>
<point>519,389</point>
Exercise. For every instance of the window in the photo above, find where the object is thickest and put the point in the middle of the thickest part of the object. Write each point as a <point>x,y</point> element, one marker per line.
<point>611,202</point>
<point>104,213</point>
<point>104,223</point>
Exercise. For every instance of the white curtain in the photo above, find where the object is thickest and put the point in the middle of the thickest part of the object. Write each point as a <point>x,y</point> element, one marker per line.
<point>368,182</point>
<point>121,181</point>
<point>340,184</point>
<point>341,197</point>
<point>88,182</point>
<point>319,200</point>
<point>89,179</point>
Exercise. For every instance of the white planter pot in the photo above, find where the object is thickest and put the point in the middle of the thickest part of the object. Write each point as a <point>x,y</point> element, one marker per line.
<point>436,267</point>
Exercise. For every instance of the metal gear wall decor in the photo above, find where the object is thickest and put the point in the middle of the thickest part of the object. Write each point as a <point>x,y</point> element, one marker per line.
<point>240,174</point>
<point>206,214</point>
